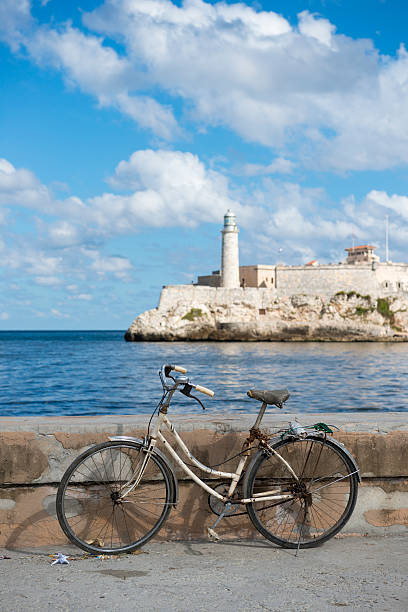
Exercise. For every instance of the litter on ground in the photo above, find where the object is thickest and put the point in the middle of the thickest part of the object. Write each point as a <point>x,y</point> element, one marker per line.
<point>61,559</point>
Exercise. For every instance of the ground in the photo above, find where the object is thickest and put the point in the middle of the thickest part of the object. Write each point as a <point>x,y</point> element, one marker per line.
<point>352,573</point>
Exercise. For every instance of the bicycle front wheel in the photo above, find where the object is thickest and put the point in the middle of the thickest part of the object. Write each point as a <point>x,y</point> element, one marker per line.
<point>321,500</point>
<point>96,506</point>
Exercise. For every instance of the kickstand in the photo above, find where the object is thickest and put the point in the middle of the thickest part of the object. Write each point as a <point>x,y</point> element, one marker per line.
<point>211,530</point>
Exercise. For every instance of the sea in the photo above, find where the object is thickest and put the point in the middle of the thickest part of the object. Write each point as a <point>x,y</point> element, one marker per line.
<point>96,372</point>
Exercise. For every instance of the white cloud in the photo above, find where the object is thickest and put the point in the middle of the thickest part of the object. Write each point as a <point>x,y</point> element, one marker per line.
<point>42,264</point>
<point>21,187</point>
<point>149,114</point>
<point>342,104</point>
<point>64,234</point>
<point>99,70</point>
<point>168,188</point>
<point>32,260</point>
<point>315,27</point>
<point>118,266</point>
<point>4,316</point>
<point>83,296</point>
<point>162,189</point>
<point>396,203</point>
<point>6,168</point>
<point>268,81</point>
<point>58,314</point>
<point>15,19</point>
<point>47,281</point>
<point>280,165</point>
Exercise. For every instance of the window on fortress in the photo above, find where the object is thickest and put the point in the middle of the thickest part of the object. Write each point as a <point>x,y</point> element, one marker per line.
<point>262,311</point>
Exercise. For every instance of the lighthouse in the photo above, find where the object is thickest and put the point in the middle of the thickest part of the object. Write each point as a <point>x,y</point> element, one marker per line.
<point>229,255</point>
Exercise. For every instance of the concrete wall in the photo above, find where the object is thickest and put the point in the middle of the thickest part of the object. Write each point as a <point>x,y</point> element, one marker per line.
<point>34,452</point>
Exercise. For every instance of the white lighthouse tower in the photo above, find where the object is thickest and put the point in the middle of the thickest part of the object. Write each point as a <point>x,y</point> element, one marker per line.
<point>229,257</point>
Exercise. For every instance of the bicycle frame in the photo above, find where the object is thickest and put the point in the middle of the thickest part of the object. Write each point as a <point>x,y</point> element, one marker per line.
<point>233,476</point>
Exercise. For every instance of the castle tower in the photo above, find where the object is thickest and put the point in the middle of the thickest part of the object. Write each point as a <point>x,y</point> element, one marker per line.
<point>229,257</point>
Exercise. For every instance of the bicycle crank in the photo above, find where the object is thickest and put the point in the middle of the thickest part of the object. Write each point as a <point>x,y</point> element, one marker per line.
<point>219,507</point>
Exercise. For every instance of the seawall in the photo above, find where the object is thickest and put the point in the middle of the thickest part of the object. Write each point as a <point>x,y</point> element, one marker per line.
<point>35,451</point>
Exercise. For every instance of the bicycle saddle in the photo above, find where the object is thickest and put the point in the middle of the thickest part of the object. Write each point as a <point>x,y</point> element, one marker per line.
<point>277,397</point>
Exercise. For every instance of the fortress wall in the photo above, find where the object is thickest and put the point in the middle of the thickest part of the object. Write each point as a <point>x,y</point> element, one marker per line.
<point>396,275</point>
<point>194,296</point>
<point>326,280</point>
<point>35,452</point>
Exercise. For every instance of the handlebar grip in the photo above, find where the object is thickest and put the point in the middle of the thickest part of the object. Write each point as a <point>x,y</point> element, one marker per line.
<point>180,369</point>
<point>204,390</point>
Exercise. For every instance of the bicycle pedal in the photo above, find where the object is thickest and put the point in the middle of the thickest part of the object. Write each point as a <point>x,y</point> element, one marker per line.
<point>213,535</point>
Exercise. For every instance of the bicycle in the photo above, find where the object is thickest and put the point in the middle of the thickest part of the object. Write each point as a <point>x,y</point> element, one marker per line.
<point>299,487</point>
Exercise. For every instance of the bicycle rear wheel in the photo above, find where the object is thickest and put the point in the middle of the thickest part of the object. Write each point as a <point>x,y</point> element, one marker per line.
<point>90,508</point>
<point>321,502</point>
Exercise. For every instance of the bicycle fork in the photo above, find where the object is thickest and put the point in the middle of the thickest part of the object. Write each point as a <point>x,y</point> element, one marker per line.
<point>137,475</point>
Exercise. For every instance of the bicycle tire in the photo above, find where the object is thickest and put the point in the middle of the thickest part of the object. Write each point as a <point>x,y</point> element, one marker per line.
<point>322,502</point>
<point>89,510</point>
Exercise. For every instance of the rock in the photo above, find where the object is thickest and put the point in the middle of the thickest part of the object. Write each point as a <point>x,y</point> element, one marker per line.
<point>261,317</point>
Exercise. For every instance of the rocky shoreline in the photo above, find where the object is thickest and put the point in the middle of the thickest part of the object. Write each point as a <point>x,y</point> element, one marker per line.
<point>343,317</point>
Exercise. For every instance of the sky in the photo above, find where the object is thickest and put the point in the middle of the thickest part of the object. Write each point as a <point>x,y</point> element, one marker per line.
<point>129,127</point>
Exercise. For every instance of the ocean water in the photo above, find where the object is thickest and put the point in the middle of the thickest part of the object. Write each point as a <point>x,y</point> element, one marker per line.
<point>97,372</point>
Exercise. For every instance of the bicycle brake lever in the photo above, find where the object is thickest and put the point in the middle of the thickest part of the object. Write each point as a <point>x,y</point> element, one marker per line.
<point>198,400</point>
<point>186,390</point>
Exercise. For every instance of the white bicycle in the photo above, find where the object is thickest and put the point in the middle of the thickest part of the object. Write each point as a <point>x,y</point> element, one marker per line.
<point>299,487</point>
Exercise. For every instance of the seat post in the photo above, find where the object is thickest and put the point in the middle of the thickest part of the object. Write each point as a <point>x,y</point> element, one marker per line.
<point>260,415</point>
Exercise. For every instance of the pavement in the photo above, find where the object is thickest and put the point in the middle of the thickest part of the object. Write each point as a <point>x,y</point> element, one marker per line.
<point>351,573</point>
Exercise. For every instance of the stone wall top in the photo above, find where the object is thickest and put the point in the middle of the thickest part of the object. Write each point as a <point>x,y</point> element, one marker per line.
<point>369,422</point>
<point>171,295</point>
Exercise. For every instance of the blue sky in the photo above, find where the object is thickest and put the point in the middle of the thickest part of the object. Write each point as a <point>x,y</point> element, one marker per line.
<point>128,127</point>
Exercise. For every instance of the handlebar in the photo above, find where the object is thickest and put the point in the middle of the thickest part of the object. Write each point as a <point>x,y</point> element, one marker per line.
<point>204,390</point>
<point>167,369</point>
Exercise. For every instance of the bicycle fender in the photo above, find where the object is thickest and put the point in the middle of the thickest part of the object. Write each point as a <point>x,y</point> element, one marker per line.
<point>345,450</point>
<point>157,452</point>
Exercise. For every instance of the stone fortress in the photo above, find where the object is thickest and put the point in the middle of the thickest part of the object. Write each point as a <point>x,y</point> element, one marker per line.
<point>362,272</point>
<point>359,299</point>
